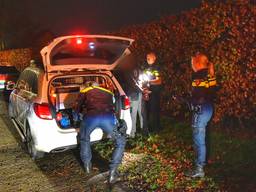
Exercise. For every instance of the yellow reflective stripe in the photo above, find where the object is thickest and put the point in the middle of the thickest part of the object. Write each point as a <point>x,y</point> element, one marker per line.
<point>96,87</point>
<point>201,84</point>
<point>156,74</point>
<point>86,89</point>
<point>204,83</point>
<point>212,82</point>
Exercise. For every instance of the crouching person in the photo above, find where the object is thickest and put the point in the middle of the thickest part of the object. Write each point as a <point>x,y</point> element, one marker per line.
<point>97,107</point>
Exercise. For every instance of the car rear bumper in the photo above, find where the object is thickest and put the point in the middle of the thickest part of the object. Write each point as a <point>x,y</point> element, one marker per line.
<point>48,137</point>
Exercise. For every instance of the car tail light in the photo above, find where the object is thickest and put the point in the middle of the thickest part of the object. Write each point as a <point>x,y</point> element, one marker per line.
<point>126,102</point>
<point>2,77</point>
<point>43,111</point>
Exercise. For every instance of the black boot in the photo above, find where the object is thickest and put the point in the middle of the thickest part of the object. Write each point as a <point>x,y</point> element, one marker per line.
<point>113,176</point>
<point>88,167</point>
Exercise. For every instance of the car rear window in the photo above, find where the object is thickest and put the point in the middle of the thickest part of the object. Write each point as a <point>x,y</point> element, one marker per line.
<point>88,51</point>
<point>74,81</point>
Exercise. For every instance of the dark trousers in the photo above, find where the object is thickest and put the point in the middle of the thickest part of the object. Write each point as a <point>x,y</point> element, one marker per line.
<point>153,111</point>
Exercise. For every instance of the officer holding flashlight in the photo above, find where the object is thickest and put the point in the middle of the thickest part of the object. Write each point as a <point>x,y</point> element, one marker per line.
<point>152,92</point>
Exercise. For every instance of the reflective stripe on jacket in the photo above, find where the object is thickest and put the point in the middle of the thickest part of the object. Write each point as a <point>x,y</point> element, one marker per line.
<point>210,81</point>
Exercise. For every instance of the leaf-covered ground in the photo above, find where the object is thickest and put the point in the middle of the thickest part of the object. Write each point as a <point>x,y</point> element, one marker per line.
<point>231,162</point>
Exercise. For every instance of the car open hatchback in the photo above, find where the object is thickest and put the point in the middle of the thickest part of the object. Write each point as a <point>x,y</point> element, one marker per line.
<point>41,103</point>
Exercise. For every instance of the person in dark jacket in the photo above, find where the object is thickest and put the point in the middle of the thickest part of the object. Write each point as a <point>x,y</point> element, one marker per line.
<point>134,92</point>
<point>203,93</point>
<point>129,78</point>
<point>96,105</point>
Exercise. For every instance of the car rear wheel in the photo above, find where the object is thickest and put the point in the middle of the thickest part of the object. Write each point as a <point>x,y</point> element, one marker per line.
<point>34,154</point>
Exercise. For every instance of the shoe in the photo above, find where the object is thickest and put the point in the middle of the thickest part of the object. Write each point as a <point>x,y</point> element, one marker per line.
<point>113,176</point>
<point>197,172</point>
<point>88,167</point>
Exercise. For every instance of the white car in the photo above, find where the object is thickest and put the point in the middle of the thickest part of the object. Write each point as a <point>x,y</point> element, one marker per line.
<point>41,103</point>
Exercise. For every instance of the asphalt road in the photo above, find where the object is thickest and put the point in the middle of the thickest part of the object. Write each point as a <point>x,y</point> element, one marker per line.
<point>55,172</point>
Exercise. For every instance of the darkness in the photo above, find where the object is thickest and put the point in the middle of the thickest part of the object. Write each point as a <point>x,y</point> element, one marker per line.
<point>97,16</point>
<point>22,22</point>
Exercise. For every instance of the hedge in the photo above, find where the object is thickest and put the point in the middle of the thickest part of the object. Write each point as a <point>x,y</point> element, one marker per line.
<point>16,57</point>
<point>226,32</point>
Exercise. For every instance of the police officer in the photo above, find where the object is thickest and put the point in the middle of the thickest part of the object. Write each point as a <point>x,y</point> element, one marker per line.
<point>96,104</point>
<point>152,94</point>
<point>203,91</point>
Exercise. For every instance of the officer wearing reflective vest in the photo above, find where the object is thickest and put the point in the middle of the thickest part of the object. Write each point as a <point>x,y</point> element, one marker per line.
<point>152,93</point>
<point>96,105</point>
<point>203,93</point>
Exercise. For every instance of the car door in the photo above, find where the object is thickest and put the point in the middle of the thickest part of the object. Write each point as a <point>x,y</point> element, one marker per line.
<point>15,96</point>
<point>24,96</point>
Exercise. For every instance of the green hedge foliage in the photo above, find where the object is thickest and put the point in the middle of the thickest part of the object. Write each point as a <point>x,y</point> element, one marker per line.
<point>226,31</point>
<point>20,58</point>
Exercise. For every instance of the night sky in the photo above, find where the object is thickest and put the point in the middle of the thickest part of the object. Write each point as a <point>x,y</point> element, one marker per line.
<point>99,16</point>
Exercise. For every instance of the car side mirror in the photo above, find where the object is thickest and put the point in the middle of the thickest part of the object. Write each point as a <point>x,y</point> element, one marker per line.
<point>10,85</point>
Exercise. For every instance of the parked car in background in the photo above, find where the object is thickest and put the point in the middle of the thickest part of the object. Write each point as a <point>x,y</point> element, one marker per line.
<point>8,75</point>
<point>41,103</point>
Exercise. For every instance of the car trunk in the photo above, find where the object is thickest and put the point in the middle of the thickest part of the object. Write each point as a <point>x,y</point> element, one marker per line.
<point>64,91</point>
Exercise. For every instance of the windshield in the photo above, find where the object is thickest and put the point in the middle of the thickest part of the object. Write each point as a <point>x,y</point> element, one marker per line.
<point>87,50</point>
